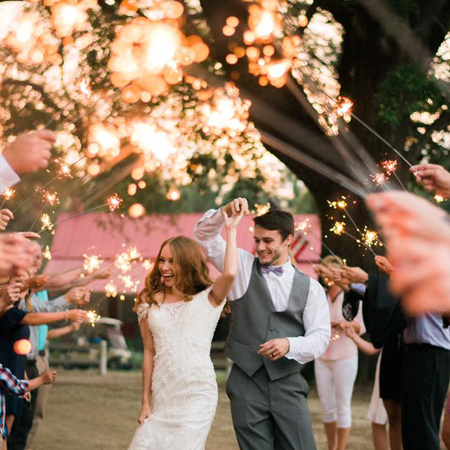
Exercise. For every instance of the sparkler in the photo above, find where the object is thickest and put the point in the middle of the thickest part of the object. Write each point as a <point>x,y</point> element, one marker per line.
<point>92,317</point>
<point>92,263</point>
<point>114,202</point>
<point>262,209</point>
<point>338,228</point>
<point>344,106</point>
<point>7,194</point>
<point>47,254</point>
<point>438,198</point>
<point>378,178</point>
<point>111,289</point>
<point>46,222</point>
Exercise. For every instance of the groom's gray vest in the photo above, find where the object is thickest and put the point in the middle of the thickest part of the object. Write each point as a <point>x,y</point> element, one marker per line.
<point>255,321</point>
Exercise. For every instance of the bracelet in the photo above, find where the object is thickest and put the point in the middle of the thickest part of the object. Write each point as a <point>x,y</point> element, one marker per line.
<point>66,316</point>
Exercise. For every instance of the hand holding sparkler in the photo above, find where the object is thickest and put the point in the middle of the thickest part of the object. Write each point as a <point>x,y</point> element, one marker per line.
<point>16,255</point>
<point>12,292</point>
<point>30,152</point>
<point>76,315</point>
<point>434,178</point>
<point>384,265</point>
<point>5,216</point>
<point>236,206</point>
<point>36,283</point>
<point>418,235</point>
<point>78,296</point>
<point>355,274</point>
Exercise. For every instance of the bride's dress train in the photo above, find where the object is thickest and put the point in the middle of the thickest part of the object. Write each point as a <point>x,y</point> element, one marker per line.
<point>184,388</point>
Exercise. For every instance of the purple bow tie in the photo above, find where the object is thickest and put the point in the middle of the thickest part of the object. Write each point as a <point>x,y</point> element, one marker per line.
<point>278,270</point>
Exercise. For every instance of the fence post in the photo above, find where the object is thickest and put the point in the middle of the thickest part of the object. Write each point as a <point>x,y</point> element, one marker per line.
<point>103,357</point>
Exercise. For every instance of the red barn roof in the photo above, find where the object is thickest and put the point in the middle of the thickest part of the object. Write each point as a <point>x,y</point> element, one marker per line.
<point>108,235</point>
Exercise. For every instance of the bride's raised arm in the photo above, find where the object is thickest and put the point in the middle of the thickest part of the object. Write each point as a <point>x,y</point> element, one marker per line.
<point>224,282</point>
<point>147,370</point>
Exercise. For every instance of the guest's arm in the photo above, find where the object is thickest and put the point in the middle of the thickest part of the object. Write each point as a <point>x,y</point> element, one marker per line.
<point>75,315</point>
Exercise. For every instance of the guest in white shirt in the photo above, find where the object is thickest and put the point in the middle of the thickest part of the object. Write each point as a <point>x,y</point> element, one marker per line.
<point>280,320</point>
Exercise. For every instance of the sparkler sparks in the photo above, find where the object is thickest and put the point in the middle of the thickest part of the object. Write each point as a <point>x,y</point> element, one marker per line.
<point>92,263</point>
<point>390,166</point>
<point>114,202</point>
<point>50,197</point>
<point>341,204</point>
<point>302,226</point>
<point>92,317</point>
<point>378,178</point>
<point>46,222</point>
<point>338,228</point>
<point>438,198</point>
<point>344,106</point>
<point>8,193</point>
<point>370,238</point>
<point>111,289</point>
<point>262,209</point>
<point>64,171</point>
<point>46,253</point>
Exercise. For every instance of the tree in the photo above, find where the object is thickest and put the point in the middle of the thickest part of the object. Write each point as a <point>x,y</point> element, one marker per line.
<point>364,58</point>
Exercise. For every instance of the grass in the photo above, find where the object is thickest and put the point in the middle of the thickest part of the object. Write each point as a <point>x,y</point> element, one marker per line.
<point>89,412</point>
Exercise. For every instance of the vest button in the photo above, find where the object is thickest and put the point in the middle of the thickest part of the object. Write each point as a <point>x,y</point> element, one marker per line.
<point>272,328</point>
<point>274,314</point>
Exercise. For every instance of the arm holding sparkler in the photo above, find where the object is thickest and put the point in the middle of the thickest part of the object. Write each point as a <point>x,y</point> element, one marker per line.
<point>74,315</point>
<point>418,238</point>
<point>76,278</point>
<point>224,282</point>
<point>434,178</point>
<point>207,233</point>
<point>30,152</point>
<point>16,255</point>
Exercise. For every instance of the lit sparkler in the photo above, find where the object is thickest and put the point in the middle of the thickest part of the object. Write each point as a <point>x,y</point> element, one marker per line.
<point>92,317</point>
<point>114,202</point>
<point>370,238</point>
<point>51,197</point>
<point>378,178</point>
<point>302,226</point>
<point>438,198</point>
<point>46,222</point>
<point>8,193</point>
<point>390,166</point>
<point>338,228</point>
<point>147,264</point>
<point>111,289</point>
<point>64,171</point>
<point>92,263</point>
<point>46,253</point>
<point>344,106</point>
<point>262,209</point>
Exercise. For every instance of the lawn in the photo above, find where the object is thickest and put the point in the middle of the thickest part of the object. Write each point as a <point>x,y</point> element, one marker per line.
<point>90,412</point>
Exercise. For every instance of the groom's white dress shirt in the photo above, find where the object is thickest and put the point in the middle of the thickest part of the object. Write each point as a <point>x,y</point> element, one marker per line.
<point>7,175</point>
<point>316,316</point>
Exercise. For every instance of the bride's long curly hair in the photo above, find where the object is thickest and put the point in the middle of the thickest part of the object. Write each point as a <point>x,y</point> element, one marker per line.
<point>191,272</point>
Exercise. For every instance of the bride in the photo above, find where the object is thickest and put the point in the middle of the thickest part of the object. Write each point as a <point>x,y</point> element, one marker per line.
<point>178,311</point>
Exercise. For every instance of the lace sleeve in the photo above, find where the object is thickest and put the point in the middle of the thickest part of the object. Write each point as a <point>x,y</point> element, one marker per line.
<point>143,311</point>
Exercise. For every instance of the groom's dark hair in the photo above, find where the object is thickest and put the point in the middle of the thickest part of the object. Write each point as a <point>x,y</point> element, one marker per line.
<point>281,221</point>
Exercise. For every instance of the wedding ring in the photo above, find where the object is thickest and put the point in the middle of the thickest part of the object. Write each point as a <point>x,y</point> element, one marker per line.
<point>272,355</point>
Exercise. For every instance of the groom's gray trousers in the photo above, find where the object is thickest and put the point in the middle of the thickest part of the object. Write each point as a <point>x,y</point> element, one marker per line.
<point>270,415</point>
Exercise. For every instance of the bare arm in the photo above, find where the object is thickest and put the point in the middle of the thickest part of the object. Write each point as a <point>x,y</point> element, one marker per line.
<point>62,331</point>
<point>362,344</point>
<point>224,283</point>
<point>75,315</point>
<point>147,370</point>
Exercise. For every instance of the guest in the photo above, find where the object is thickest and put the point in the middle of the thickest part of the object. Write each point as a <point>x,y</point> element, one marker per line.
<point>11,385</point>
<point>14,339</point>
<point>377,412</point>
<point>336,369</point>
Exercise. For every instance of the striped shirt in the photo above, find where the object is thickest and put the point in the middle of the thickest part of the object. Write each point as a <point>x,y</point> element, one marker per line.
<point>9,384</point>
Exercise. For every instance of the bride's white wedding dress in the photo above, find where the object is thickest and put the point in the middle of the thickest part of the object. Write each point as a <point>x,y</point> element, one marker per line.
<point>184,389</point>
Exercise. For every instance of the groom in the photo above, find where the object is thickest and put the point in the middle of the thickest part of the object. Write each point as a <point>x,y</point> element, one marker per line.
<point>280,321</point>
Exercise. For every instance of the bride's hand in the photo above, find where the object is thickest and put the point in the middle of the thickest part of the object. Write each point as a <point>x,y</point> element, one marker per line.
<point>146,412</point>
<point>231,222</point>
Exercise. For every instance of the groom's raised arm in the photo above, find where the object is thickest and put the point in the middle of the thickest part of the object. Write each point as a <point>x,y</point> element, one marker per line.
<point>207,233</point>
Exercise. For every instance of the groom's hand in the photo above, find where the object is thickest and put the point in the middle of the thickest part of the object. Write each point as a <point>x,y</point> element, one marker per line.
<point>236,207</point>
<point>275,348</point>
